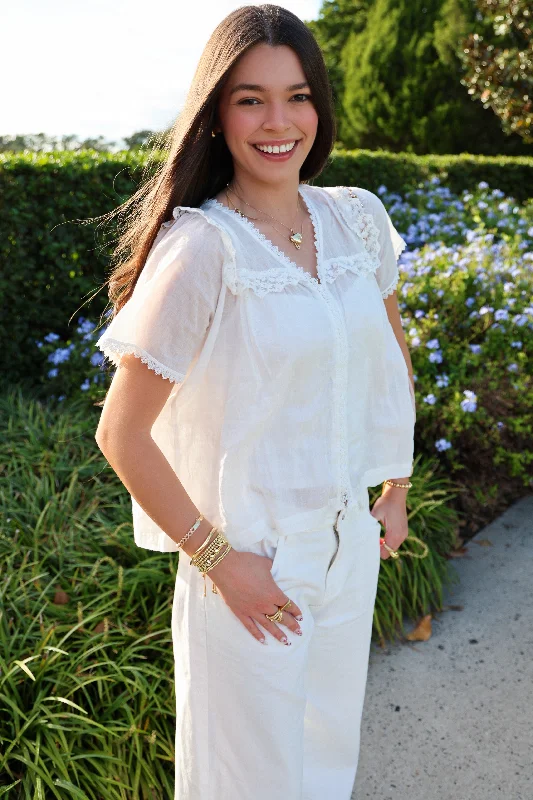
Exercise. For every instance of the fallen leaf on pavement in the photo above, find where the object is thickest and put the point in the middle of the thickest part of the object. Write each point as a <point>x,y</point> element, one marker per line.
<point>422,632</point>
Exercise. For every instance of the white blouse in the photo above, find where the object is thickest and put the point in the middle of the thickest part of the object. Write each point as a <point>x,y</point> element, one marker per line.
<point>290,392</point>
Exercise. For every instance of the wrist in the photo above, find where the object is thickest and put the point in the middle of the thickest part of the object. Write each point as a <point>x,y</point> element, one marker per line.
<point>197,539</point>
<point>401,488</point>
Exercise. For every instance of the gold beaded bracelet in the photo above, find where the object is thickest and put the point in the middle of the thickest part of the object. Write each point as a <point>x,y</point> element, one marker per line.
<point>399,485</point>
<point>211,553</point>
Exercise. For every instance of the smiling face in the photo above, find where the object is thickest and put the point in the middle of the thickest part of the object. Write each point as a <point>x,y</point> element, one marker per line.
<point>267,115</point>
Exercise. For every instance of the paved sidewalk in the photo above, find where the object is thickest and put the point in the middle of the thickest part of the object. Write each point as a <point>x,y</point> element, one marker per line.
<point>452,718</point>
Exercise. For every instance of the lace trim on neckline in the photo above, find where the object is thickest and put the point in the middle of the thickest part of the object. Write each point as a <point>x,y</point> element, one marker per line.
<point>290,265</point>
<point>358,263</point>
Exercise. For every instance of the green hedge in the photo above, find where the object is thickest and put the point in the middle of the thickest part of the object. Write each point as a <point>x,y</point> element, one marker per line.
<point>51,265</point>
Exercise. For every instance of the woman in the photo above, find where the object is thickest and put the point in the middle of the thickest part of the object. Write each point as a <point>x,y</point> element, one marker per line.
<point>264,385</point>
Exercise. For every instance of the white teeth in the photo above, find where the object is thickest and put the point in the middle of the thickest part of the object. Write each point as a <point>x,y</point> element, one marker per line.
<point>282,148</point>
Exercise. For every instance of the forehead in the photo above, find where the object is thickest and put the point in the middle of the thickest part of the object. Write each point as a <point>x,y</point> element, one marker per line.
<point>273,67</point>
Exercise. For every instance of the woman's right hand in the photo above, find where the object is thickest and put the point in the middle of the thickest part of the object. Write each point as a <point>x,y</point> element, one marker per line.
<point>246,585</point>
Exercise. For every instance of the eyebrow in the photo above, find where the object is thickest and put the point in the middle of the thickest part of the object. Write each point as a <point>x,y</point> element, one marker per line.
<point>255,87</point>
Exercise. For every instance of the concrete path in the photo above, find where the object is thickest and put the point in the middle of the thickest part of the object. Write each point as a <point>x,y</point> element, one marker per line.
<point>452,718</point>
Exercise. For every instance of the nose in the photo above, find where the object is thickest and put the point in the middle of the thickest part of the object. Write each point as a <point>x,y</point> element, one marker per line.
<point>276,118</point>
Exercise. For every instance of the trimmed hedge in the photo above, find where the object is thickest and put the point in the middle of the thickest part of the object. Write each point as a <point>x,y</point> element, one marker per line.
<point>52,264</point>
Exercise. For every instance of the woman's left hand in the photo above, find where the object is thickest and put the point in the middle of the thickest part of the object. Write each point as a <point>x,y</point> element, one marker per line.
<point>390,510</point>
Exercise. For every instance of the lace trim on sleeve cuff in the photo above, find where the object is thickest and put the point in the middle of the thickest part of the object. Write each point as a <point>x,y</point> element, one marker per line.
<point>391,287</point>
<point>113,350</point>
<point>399,244</point>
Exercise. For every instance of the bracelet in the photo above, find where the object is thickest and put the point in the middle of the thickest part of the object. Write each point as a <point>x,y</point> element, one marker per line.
<point>191,530</point>
<point>209,555</point>
<point>399,485</point>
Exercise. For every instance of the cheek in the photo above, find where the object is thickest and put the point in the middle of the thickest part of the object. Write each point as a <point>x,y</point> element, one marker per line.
<point>309,120</point>
<point>238,125</point>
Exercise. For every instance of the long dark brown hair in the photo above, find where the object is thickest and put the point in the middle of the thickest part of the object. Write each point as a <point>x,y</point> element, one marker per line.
<point>199,165</point>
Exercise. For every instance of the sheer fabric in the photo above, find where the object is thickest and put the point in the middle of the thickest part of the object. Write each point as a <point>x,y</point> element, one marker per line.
<point>290,392</point>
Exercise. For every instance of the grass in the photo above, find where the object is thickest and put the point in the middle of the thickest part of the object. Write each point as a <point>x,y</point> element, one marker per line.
<point>86,661</point>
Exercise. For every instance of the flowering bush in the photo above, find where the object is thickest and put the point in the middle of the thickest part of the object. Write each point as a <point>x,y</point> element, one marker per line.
<point>76,366</point>
<point>466,303</point>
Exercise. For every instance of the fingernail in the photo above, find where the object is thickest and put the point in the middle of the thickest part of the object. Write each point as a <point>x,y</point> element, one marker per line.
<point>283,639</point>
<point>298,631</point>
<point>287,643</point>
<point>263,641</point>
<point>300,618</point>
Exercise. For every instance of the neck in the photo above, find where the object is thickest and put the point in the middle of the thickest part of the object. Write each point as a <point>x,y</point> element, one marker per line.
<point>278,199</point>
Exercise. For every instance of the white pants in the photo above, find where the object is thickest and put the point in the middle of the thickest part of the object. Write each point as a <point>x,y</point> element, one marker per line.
<point>278,722</point>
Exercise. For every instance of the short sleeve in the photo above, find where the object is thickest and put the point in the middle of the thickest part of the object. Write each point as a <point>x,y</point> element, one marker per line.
<point>167,317</point>
<point>390,242</point>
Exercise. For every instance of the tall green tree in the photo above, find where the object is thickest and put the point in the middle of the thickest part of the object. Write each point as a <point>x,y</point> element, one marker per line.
<point>336,21</point>
<point>498,63</point>
<point>397,76</point>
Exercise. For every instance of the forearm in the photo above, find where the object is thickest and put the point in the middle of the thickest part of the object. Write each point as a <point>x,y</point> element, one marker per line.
<point>149,478</point>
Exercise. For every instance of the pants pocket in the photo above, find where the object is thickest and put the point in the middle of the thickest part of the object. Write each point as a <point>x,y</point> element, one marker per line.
<point>271,547</point>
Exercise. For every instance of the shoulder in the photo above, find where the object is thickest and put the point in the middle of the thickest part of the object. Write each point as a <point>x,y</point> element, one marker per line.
<point>352,197</point>
<point>192,232</point>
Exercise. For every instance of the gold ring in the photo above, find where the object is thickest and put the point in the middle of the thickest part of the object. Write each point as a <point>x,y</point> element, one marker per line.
<point>275,617</point>
<point>279,613</point>
<point>394,553</point>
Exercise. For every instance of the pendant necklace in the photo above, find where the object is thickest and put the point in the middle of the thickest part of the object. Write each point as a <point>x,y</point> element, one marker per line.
<point>296,238</point>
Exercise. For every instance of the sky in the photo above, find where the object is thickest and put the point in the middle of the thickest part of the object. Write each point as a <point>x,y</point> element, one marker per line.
<point>105,67</point>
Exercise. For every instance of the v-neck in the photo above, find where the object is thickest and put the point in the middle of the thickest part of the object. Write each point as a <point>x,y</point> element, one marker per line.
<point>269,244</point>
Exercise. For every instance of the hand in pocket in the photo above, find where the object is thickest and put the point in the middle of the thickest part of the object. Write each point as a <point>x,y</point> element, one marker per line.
<point>245,583</point>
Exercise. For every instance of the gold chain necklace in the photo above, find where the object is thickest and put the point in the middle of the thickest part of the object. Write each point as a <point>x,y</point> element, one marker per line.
<point>296,237</point>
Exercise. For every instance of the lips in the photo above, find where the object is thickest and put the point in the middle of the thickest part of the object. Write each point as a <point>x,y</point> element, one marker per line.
<point>276,147</point>
<point>279,156</point>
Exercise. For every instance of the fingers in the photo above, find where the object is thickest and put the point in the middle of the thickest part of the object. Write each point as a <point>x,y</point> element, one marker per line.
<point>288,619</point>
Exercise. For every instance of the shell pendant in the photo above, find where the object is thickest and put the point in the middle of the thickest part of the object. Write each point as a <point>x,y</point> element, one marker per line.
<point>296,239</point>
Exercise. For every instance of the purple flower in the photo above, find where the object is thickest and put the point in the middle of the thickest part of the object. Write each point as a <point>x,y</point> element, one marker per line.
<point>470,301</point>
<point>433,344</point>
<point>470,401</point>
<point>60,355</point>
<point>85,385</point>
<point>442,444</point>
<point>96,358</point>
<point>500,425</point>
<point>442,380</point>
<point>516,344</point>
<point>501,313</point>
<point>485,310</point>
<point>513,367</point>
<point>419,313</point>
<point>475,348</point>
<point>431,399</point>
<point>436,357</point>
<point>51,337</point>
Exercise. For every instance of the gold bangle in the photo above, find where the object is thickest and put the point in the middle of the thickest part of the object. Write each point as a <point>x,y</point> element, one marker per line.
<point>199,553</point>
<point>399,485</point>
